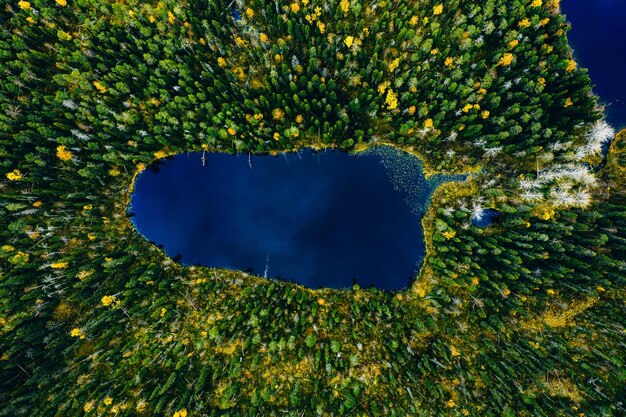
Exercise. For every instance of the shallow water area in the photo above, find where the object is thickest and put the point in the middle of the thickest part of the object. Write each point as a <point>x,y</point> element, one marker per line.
<point>322,219</point>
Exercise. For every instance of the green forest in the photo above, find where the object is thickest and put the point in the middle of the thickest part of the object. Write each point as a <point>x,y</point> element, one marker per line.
<point>521,318</point>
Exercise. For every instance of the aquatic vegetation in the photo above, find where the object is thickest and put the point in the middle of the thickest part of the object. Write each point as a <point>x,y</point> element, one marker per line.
<point>522,317</point>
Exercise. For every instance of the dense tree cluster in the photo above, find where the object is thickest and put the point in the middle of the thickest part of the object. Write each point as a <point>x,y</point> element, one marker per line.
<point>520,318</point>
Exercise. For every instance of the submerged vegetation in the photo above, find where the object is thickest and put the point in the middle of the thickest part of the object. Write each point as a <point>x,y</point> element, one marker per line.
<point>520,318</point>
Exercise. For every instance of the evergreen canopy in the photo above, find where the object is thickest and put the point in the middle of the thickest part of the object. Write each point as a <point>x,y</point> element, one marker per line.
<point>521,318</point>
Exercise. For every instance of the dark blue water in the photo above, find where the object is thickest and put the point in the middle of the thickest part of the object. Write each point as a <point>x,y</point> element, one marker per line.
<point>598,38</point>
<point>323,219</point>
<point>486,218</point>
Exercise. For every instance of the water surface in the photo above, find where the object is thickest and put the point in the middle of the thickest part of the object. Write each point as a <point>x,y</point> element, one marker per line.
<point>324,219</point>
<point>598,38</point>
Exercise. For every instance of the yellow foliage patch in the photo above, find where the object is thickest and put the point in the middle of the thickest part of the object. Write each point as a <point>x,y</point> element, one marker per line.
<point>101,88</point>
<point>181,413</point>
<point>77,333</point>
<point>420,291</point>
<point>14,175</point>
<point>571,65</point>
<point>107,300</point>
<point>454,352</point>
<point>277,114</point>
<point>393,65</point>
<point>382,87</point>
<point>84,274</point>
<point>344,5</point>
<point>564,318</point>
<point>391,100</point>
<point>230,348</point>
<point>63,154</point>
<point>89,406</point>
<point>20,258</point>
<point>506,60</point>
<point>563,387</point>
<point>544,212</point>
<point>449,234</point>
<point>556,318</point>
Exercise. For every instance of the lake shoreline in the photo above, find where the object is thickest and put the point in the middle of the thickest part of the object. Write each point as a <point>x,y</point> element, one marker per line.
<point>400,166</point>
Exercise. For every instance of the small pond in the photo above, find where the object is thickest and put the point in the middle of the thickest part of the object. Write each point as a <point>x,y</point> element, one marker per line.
<point>322,219</point>
<point>485,217</point>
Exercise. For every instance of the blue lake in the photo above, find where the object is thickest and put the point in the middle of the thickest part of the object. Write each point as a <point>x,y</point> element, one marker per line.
<point>598,38</point>
<point>325,219</point>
